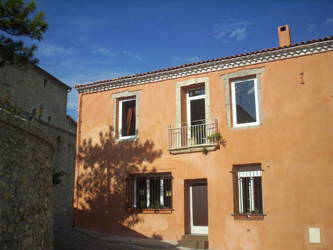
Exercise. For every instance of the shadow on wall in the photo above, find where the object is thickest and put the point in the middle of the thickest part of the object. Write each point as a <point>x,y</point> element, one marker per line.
<point>101,183</point>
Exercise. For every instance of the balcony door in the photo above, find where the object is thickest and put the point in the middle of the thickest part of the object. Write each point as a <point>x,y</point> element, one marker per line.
<point>196,116</point>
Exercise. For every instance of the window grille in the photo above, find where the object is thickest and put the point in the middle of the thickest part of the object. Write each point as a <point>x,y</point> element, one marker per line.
<point>150,191</point>
<point>248,189</point>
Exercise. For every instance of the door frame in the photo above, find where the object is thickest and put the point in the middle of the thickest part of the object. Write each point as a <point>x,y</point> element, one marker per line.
<point>191,229</point>
<point>188,111</point>
<point>188,104</point>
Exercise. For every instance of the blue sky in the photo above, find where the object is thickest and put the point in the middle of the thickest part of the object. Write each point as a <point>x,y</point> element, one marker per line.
<point>98,40</point>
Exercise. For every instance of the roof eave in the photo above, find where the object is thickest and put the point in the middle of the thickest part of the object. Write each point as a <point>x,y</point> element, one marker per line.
<point>139,78</point>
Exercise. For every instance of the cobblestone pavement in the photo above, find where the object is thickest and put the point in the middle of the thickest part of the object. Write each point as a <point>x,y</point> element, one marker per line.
<point>68,238</point>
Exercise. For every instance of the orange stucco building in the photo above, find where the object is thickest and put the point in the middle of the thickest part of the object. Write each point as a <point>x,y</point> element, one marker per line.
<point>238,150</point>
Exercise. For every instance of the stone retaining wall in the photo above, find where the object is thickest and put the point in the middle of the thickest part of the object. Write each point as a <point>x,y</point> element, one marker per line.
<point>26,185</point>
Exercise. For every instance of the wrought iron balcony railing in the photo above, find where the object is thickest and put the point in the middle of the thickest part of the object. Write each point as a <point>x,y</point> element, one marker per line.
<point>199,134</point>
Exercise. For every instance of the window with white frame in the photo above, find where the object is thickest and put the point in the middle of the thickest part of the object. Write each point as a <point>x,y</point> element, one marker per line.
<point>245,107</point>
<point>248,189</point>
<point>150,191</point>
<point>127,118</point>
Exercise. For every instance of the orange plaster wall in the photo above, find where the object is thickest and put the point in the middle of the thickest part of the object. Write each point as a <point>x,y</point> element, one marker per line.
<point>294,146</point>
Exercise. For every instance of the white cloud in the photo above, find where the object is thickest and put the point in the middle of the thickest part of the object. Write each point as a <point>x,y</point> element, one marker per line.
<point>329,21</point>
<point>231,30</point>
<point>104,52</point>
<point>186,59</point>
<point>238,34</point>
<point>51,50</point>
<point>133,55</point>
<point>312,27</point>
<point>86,23</point>
<point>71,63</point>
<point>137,57</point>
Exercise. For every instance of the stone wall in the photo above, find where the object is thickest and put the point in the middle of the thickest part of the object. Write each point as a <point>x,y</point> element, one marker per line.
<point>63,160</point>
<point>31,88</point>
<point>26,154</point>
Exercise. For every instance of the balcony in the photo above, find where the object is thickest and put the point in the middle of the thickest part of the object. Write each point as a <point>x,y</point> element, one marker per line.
<point>199,136</point>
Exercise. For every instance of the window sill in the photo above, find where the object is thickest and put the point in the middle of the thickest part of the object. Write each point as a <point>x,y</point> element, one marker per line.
<point>194,148</point>
<point>249,216</point>
<point>150,210</point>
<point>246,127</point>
<point>127,138</point>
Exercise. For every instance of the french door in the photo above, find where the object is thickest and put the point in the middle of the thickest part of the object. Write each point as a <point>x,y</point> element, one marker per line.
<point>196,116</point>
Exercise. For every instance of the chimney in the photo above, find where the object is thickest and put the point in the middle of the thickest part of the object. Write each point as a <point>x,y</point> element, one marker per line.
<point>284,35</point>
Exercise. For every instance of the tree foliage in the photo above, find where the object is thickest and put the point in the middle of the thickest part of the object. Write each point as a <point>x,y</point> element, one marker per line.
<point>18,19</point>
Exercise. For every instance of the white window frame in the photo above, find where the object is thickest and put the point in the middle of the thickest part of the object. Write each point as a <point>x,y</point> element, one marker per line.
<point>233,103</point>
<point>246,174</point>
<point>188,108</point>
<point>120,116</point>
<point>188,103</point>
<point>188,83</point>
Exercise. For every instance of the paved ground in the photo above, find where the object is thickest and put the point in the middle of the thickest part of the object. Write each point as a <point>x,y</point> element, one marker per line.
<point>68,238</point>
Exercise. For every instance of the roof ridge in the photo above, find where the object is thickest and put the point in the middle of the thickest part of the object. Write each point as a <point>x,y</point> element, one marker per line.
<point>84,85</point>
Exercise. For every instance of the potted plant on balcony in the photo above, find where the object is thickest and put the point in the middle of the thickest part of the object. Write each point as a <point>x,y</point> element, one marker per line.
<point>216,137</point>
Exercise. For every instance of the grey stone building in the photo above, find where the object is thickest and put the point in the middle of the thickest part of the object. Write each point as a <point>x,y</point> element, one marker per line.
<point>43,99</point>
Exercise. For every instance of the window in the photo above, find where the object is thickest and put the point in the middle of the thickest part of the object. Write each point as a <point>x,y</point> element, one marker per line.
<point>45,82</point>
<point>127,118</point>
<point>193,128</point>
<point>195,88</point>
<point>126,106</point>
<point>243,92</point>
<point>248,190</point>
<point>244,102</point>
<point>150,191</point>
